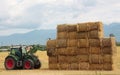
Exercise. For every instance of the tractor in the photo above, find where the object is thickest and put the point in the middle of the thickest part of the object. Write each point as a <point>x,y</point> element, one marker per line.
<point>20,58</point>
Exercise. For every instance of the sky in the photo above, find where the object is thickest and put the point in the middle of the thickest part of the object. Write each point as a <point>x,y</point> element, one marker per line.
<point>21,16</point>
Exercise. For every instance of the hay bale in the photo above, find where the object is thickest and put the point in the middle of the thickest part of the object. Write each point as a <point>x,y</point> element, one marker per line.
<point>83,58</point>
<point>60,43</point>
<point>53,59</point>
<point>95,26</point>
<point>95,42</point>
<point>107,58</point>
<point>72,43</point>
<point>62,35</point>
<point>82,35</point>
<point>72,27</point>
<point>62,58</point>
<point>72,35</point>
<point>67,51</point>
<point>83,43</point>
<point>107,66</point>
<point>107,50</point>
<point>95,59</point>
<point>84,66</point>
<point>51,52</point>
<point>74,66</point>
<point>95,50</point>
<point>96,67</point>
<point>67,59</point>
<point>71,51</point>
<point>82,27</point>
<point>53,66</point>
<point>82,51</point>
<point>64,66</point>
<point>108,42</point>
<point>51,44</point>
<point>72,59</point>
<point>61,51</point>
<point>95,34</point>
<point>62,28</point>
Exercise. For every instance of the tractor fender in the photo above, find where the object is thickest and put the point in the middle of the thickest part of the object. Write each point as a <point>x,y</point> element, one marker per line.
<point>32,57</point>
<point>15,57</point>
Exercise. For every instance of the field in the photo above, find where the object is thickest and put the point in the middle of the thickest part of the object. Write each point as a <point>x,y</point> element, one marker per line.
<point>45,71</point>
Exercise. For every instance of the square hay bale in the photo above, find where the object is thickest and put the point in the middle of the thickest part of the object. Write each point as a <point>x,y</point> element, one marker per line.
<point>62,58</point>
<point>82,35</point>
<point>96,67</point>
<point>107,58</point>
<point>64,66</point>
<point>74,66</point>
<point>82,51</point>
<point>62,35</point>
<point>72,43</point>
<point>53,59</point>
<point>95,26</point>
<point>107,50</point>
<point>61,51</point>
<point>67,51</point>
<point>95,34</point>
<point>95,42</point>
<point>51,52</point>
<point>84,66</point>
<point>60,43</point>
<point>82,27</point>
<point>108,42</point>
<point>71,27</point>
<point>95,50</point>
<point>67,59</point>
<point>96,59</point>
<point>71,51</point>
<point>62,28</point>
<point>51,44</point>
<point>53,66</point>
<point>108,66</point>
<point>83,43</point>
<point>72,59</point>
<point>83,58</point>
<point>72,35</point>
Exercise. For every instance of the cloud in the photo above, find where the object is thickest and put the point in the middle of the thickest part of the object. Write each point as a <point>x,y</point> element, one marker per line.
<point>30,15</point>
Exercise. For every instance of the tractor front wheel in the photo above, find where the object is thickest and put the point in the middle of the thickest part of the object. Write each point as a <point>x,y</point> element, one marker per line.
<point>28,64</point>
<point>37,64</point>
<point>10,63</point>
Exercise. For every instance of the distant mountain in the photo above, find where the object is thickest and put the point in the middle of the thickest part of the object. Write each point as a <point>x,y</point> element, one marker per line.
<point>33,37</point>
<point>113,28</point>
<point>41,36</point>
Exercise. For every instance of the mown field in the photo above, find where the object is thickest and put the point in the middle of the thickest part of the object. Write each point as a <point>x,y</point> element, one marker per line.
<point>45,71</point>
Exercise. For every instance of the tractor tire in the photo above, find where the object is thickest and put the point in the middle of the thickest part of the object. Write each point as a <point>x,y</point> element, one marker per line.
<point>10,63</point>
<point>37,64</point>
<point>28,64</point>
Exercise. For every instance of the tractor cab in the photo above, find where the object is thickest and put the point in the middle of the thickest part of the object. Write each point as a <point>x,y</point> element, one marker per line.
<point>19,58</point>
<point>20,52</point>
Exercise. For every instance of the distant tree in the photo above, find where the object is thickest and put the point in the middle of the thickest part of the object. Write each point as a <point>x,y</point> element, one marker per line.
<point>112,35</point>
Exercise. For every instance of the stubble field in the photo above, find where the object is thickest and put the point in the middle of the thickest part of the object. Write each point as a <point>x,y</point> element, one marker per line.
<point>45,71</point>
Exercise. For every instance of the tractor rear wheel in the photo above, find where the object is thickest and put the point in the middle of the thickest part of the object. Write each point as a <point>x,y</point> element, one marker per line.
<point>10,63</point>
<point>37,64</point>
<point>28,64</point>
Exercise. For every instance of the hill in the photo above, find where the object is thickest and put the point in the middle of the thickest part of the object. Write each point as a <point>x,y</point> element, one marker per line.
<point>41,36</point>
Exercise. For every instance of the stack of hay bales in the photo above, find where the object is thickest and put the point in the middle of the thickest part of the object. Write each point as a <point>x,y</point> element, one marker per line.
<point>81,46</point>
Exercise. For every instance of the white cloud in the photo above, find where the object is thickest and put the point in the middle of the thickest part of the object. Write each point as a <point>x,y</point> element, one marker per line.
<point>18,15</point>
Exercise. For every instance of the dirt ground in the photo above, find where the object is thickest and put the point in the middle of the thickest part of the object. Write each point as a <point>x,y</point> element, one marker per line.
<point>45,71</point>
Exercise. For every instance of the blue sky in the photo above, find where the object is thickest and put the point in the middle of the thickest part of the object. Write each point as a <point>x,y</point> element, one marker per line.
<point>21,16</point>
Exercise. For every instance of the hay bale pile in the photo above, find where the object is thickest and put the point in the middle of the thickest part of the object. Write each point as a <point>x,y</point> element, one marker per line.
<point>81,46</point>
